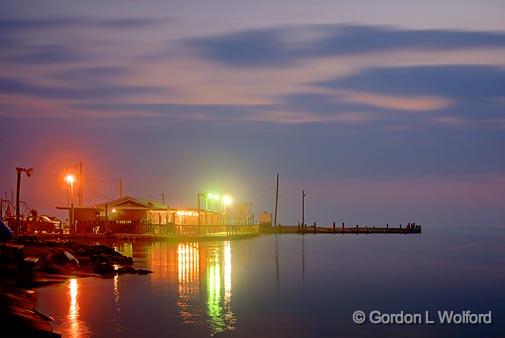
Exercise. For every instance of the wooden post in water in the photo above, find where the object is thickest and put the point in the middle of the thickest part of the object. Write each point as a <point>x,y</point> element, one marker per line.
<point>343,227</point>
<point>333,227</point>
<point>315,231</point>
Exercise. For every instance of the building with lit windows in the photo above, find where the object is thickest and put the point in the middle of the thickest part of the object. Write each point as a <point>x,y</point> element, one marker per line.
<point>136,215</point>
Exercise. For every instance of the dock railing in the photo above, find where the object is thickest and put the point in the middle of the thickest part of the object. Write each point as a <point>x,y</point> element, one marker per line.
<point>201,230</point>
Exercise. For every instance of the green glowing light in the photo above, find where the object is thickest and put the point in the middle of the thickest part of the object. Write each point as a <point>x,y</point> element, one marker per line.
<point>213,197</point>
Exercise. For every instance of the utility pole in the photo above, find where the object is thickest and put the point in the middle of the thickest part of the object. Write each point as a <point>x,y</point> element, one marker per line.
<point>19,171</point>
<point>18,186</point>
<point>120,187</point>
<point>163,198</point>
<point>81,198</point>
<point>201,194</point>
<point>276,200</point>
<point>198,207</point>
<point>303,208</point>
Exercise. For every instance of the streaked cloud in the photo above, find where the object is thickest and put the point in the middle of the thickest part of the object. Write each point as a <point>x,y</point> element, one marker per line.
<point>290,117</point>
<point>462,121</point>
<point>278,47</point>
<point>403,103</point>
<point>36,54</point>
<point>23,24</point>
<point>94,73</point>
<point>97,90</point>
<point>455,81</point>
<point>200,112</point>
<point>468,95</point>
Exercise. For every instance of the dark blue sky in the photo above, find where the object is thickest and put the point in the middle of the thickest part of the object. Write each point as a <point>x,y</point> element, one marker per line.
<point>381,113</point>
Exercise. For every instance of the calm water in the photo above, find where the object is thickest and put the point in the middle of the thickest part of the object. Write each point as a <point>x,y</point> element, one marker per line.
<point>291,286</point>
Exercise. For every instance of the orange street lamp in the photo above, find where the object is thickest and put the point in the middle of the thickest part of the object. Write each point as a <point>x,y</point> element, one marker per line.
<point>70,179</point>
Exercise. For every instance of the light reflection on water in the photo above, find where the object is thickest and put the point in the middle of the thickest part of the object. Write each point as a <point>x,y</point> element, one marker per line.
<point>219,278</point>
<point>117,314</point>
<point>188,277</point>
<point>76,328</point>
<point>288,286</point>
<point>203,275</point>
<point>216,267</point>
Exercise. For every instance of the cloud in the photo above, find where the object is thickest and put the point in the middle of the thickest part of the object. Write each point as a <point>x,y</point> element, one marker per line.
<point>31,41</point>
<point>455,81</point>
<point>80,74</point>
<point>347,100</point>
<point>97,90</point>
<point>466,95</point>
<point>47,53</point>
<point>129,23</point>
<point>23,24</point>
<point>334,105</point>
<point>290,117</point>
<point>269,113</point>
<point>461,121</point>
<point>281,47</point>
<point>413,103</point>
<point>281,113</point>
<point>15,32</point>
<point>354,107</point>
<point>203,112</point>
<point>249,48</point>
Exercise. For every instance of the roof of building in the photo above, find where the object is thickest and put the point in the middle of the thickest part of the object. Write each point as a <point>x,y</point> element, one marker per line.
<point>134,203</point>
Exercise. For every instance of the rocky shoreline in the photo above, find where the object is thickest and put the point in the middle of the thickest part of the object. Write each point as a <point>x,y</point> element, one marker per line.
<point>27,263</point>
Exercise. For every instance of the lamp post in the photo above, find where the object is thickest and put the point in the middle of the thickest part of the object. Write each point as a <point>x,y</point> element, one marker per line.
<point>70,179</point>
<point>198,195</point>
<point>227,200</point>
<point>19,171</point>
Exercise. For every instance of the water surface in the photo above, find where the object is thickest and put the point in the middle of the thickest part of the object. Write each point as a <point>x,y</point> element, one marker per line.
<point>290,286</point>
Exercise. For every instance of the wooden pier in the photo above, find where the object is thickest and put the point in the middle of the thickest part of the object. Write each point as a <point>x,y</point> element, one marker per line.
<point>174,233</point>
<point>333,229</point>
<point>232,232</point>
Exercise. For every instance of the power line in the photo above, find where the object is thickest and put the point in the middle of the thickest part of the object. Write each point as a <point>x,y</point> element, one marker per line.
<point>100,194</point>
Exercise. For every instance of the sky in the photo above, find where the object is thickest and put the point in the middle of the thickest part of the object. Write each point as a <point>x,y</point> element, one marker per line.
<point>385,112</point>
